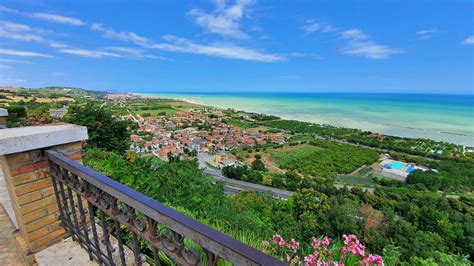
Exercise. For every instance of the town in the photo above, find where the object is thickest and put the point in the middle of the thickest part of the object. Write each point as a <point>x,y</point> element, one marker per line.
<point>203,131</point>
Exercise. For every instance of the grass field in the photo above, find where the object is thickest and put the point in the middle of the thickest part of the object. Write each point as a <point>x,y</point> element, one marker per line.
<point>301,138</point>
<point>355,180</point>
<point>287,155</point>
<point>362,176</point>
<point>239,123</point>
<point>15,99</point>
<point>166,110</point>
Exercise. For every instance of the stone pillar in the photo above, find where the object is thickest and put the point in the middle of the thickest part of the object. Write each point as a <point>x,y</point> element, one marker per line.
<point>3,118</point>
<point>25,169</point>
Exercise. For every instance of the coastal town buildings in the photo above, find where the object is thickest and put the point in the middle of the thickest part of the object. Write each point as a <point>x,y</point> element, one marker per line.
<point>196,131</point>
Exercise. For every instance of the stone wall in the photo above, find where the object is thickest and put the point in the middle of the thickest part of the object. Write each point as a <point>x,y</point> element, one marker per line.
<point>30,186</point>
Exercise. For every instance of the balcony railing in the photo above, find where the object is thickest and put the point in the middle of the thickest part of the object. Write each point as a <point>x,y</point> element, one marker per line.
<point>115,212</point>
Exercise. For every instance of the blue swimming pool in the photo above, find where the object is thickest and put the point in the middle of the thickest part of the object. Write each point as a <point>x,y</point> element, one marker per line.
<point>397,165</point>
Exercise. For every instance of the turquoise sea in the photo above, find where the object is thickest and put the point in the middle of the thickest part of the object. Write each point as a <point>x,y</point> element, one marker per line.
<point>440,117</point>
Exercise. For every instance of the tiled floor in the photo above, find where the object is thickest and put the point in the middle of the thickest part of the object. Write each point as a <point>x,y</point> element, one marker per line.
<point>8,254</point>
<point>66,252</point>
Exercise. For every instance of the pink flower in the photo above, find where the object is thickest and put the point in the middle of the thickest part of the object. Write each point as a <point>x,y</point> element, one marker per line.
<point>310,260</point>
<point>281,243</point>
<point>326,241</point>
<point>265,244</point>
<point>373,260</point>
<point>352,245</point>
<point>277,238</point>
<point>293,245</point>
<point>315,242</point>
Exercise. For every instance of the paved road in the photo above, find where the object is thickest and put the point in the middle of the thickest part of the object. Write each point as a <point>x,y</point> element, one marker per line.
<point>233,186</point>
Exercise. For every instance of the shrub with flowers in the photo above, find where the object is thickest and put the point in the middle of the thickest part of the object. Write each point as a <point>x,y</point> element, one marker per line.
<point>322,251</point>
<point>38,120</point>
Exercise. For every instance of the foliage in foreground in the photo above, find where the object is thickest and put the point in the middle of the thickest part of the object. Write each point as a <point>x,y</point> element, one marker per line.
<point>399,223</point>
<point>105,130</point>
<point>322,251</point>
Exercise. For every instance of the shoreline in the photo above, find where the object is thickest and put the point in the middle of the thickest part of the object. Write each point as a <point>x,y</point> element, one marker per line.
<point>387,131</point>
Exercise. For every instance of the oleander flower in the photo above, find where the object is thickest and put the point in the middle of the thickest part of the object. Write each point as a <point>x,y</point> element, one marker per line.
<point>373,260</point>
<point>293,245</point>
<point>315,242</point>
<point>352,245</point>
<point>326,241</point>
<point>310,260</point>
<point>277,238</point>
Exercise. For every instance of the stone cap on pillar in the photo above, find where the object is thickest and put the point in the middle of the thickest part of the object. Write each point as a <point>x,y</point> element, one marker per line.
<point>20,139</point>
<point>3,112</point>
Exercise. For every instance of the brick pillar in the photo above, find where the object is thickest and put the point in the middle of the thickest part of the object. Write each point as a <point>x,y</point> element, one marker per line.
<point>30,188</point>
<point>3,117</point>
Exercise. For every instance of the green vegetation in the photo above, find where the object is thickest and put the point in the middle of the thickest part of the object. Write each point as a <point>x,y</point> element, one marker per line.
<point>158,111</point>
<point>364,176</point>
<point>105,131</point>
<point>283,158</point>
<point>416,224</point>
<point>328,160</point>
<point>415,146</point>
<point>408,224</point>
<point>239,123</point>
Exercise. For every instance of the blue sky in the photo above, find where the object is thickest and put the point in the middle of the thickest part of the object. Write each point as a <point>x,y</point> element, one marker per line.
<point>277,46</point>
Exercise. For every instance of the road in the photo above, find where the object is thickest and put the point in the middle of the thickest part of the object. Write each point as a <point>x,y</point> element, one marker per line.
<point>233,186</point>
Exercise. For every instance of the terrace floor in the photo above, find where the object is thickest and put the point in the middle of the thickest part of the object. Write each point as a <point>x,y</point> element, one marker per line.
<point>8,254</point>
<point>66,252</point>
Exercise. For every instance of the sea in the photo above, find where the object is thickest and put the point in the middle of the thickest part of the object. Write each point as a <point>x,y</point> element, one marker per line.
<point>448,118</point>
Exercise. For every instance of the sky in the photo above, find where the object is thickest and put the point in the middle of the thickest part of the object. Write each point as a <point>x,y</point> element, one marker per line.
<point>239,46</point>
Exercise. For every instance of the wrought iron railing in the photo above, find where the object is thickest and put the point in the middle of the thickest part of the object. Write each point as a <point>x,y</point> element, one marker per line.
<point>115,213</point>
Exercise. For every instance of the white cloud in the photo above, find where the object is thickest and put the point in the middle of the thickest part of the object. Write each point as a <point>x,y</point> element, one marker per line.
<point>427,34</point>
<point>469,40</point>
<point>312,26</point>
<point>133,53</point>
<point>121,35</point>
<point>21,32</point>
<point>14,26</point>
<point>88,53</point>
<point>307,55</point>
<point>46,17</point>
<point>354,34</point>
<point>58,19</point>
<point>6,9</point>
<point>14,61</point>
<point>370,50</point>
<point>22,53</point>
<point>360,44</point>
<point>177,44</point>
<point>224,19</point>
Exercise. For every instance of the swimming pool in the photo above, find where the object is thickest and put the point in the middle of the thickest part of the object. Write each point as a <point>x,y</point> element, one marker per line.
<point>397,165</point>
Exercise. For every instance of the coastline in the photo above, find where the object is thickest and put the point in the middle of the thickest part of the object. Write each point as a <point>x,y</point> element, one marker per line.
<point>399,130</point>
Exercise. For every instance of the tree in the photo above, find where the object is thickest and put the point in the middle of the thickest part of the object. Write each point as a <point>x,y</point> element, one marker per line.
<point>105,130</point>
<point>258,164</point>
<point>234,172</point>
